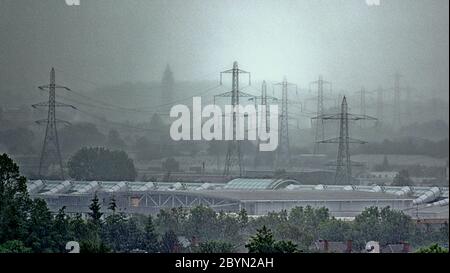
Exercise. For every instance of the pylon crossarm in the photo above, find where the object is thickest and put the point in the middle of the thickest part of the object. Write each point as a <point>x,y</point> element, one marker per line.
<point>349,117</point>
<point>43,87</point>
<point>63,87</point>
<point>60,104</point>
<point>360,117</point>
<point>337,140</point>
<point>230,94</point>
<point>353,164</point>
<point>231,71</point>
<point>57,104</point>
<point>41,104</point>
<point>328,117</point>
<point>238,115</point>
<point>267,97</point>
<point>45,121</point>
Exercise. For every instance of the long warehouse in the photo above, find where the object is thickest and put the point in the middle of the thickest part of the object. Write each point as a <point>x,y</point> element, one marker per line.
<point>257,196</point>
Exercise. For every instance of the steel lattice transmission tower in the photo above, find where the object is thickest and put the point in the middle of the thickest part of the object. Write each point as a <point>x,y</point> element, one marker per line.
<point>343,175</point>
<point>319,127</point>
<point>283,159</point>
<point>264,122</point>
<point>363,110</point>
<point>380,106</point>
<point>51,153</point>
<point>397,97</point>
<point>409,104</point>
<point>234,154</point>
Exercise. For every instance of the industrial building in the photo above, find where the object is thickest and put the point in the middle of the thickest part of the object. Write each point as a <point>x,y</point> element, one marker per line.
<point>257,196</point>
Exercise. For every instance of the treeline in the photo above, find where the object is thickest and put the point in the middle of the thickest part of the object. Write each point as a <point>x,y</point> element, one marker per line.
<point>410,146</point>
<point>28,226</point>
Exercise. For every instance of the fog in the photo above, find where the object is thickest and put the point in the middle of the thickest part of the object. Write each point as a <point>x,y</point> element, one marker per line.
<point>116,41</point>
<point>113,55</point>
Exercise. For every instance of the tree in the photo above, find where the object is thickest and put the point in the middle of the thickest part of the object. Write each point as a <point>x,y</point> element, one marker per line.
<point>79,229</point>
<point>14,201</point>
<point>171,219</point>
<point>202,223</point>
<point>151,243</point>
<point>40,228</point>
<point>170,243</point>
<point>243,218</point>
<point>435,248</point>
<point>228,228</point>
<point>309,218</point>
<point>14,246</point>
<point>402,179</point>
<point>114,229</point>
<point>262,242</point>
<point>61,228</point>
<point>134,236</point>
<point>95,214</point>
<point>101,164</point>
<point>285,247</point>
<point>385,226</point>
<point>335,230</point>
<point>93,246</point>
<point>215,247</point>
<point>112,205</point>
<point>114,141</point>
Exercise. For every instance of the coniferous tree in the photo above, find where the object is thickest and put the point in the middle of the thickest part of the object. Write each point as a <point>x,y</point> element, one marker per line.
<point>61,229</point>
<point>151,243</point>
<point>95,214</point>
<point>262,242</point>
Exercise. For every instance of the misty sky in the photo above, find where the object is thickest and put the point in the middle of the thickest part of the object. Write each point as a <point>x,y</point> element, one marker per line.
<point>113,41</point>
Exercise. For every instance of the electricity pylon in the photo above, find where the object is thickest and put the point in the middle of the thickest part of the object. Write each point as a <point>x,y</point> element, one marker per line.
<point>397,104</point>
<point>319,126</point>
<point>264,125</point>
<point>51,153</point>
<point>234,153</point>
<point>283,159</point>
<point>380,106</point>
<point>343,175</point>
<point>362,104</point>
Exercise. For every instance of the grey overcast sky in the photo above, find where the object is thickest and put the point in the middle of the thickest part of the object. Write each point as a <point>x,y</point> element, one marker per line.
<point>112,41</point>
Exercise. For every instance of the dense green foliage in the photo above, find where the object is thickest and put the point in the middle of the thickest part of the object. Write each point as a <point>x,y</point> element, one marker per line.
<point>28,226</point>
<point>264,242</point>
<point>101,164</point>
<point>435,248</point>
<point>215,247</point>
